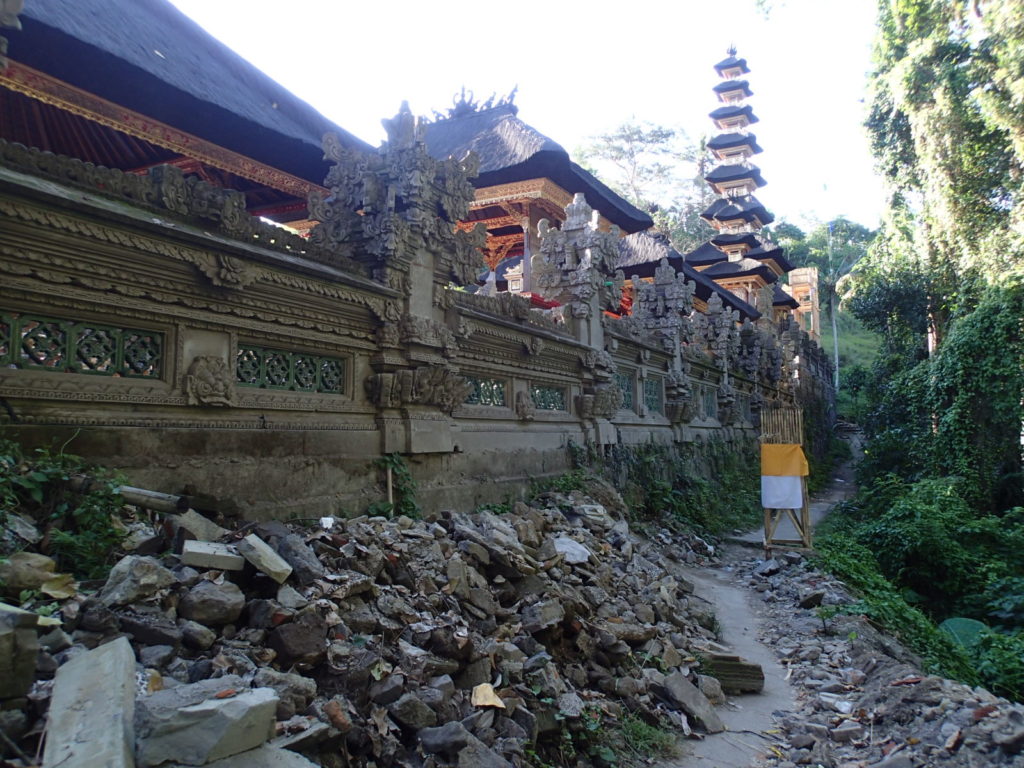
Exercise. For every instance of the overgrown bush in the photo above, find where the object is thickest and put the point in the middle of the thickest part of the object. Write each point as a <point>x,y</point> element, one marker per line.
<point>81,530</point>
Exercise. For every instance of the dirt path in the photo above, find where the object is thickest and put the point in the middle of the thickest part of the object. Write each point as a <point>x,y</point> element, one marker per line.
<point>742,617</point>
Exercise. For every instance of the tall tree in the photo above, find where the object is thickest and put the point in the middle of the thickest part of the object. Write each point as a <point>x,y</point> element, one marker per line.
<point>660,170</point>
<point>834,247</point>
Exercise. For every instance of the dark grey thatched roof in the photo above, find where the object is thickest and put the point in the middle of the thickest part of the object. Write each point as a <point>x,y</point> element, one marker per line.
<point>149,57</point>
<point>640,254</point>
<point>746,208</point>
<point>730,238</point>
<point>705,253</point>
<point>735,172</point>
<point>499,138</point>
<point>783,299</point>
<point>731,110</point>
<point>510,150</point>
<point>731,61</point>
<point>741,268</point>
<point>773,252</point>
<point>735,139</point>
<point>727,86</point>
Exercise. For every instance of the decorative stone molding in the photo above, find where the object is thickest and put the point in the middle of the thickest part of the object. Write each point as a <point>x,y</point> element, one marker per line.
<point>385,206</point>
<point>210,381</point>
<point>166,188</point>
<point>436,385</point>
<point>662,307</point>
<point>576,264</point>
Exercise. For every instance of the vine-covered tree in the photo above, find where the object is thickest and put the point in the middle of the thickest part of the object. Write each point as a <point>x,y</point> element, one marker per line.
<point>660,170</point>
<point>944,284</point>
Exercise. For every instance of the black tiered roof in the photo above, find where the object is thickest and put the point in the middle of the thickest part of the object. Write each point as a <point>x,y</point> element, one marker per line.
<point>738,238</point>
<point>733,110</point>
<point>727,86</point>
<point>782,299</point>
<point>734,139</point>
<point>734,173</point>
<point>746,208</point>
<point>731,62</point>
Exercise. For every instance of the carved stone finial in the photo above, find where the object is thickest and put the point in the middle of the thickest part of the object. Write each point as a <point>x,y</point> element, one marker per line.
<point>9,10</point>
<point>577,213</point>
<point>403,130</point>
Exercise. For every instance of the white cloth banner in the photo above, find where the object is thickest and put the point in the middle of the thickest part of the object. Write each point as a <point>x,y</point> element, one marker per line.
<point>781,492</point>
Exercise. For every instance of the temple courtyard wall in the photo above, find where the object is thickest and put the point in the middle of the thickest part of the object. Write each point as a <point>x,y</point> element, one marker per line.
<point>145,327</point>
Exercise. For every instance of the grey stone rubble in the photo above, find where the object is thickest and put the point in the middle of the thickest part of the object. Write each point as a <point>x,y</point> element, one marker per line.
<point>863,698</point>
<point>470,639</point>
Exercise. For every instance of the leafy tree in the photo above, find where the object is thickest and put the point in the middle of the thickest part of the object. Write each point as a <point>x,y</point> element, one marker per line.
<point>660,170</point>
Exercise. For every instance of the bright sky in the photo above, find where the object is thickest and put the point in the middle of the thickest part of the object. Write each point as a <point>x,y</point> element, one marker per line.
<point>583,68</point>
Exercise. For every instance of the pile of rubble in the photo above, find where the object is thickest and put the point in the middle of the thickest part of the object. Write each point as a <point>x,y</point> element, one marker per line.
<point>863,699</point>
<point>477,639</point>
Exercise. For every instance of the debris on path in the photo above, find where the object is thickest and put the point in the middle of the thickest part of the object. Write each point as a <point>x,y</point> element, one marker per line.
<point>472,639</point>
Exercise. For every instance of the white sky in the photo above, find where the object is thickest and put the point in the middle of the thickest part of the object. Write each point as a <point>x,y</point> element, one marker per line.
<point>583,68</point>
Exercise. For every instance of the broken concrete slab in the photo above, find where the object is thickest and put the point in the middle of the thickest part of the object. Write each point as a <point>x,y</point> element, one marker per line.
<point>206,731</point>
<point>264,558</point>
<point>210,554</point>
<point>91,719</point>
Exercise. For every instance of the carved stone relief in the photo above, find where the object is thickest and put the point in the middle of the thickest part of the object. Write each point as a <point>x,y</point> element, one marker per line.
<point>210,381</point>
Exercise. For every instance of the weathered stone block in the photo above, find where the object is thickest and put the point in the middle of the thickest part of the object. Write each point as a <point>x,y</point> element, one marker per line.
<point>207,731</point>
<point>91,718</point>
<point>134,578</point>
<point>200,527</point>
<point>264,558</point>
<point>542,615</point>
<point>212,605</point>
<point>677,690</point>
<point>18,649</point>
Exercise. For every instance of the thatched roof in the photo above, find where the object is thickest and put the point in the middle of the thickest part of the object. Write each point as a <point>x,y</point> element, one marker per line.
<point>149,57</point>
<point>510,150</point>
<point>746,208</point>
<point>783,299</point>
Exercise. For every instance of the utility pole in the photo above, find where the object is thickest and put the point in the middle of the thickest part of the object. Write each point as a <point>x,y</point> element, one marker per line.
<point>833,279</point>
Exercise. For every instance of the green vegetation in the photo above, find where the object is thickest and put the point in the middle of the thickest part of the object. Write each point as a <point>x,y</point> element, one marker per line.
<point>81,527</point>
<point>711,486</point>
<point>933,541</point>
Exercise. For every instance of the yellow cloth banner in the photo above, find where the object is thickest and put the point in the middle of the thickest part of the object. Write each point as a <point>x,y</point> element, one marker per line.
<point>783,460</point>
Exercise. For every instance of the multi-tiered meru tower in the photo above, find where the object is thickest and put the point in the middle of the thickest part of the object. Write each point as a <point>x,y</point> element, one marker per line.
<point>739,257</point>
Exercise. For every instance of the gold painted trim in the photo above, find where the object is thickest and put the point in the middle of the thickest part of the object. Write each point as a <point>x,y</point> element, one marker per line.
<point>42,87</point>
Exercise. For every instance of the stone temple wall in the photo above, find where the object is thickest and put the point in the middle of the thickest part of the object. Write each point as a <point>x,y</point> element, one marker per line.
<point>148,323</point>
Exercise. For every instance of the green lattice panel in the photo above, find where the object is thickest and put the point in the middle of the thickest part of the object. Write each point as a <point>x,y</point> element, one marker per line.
<point>654,395</point>
<point>34,342</point>
<point>486,392</point>
<point>297,371</point>
<point>625,381</point>
<point>548,398</point>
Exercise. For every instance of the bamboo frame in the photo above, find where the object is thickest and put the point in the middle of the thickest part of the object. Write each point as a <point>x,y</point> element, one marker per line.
<point>785,425</point>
